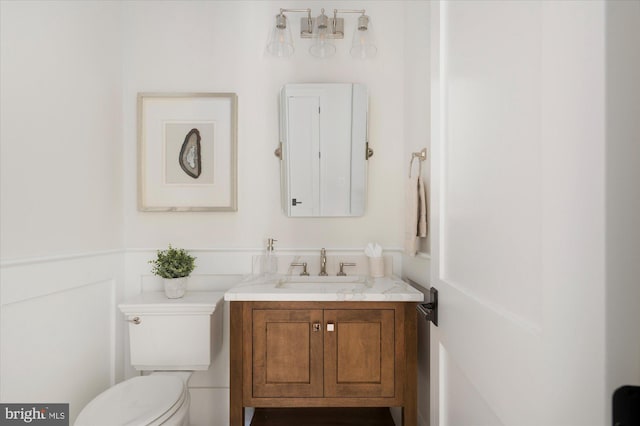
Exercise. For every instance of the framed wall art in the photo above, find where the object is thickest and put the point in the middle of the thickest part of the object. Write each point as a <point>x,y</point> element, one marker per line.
<point>187,151</point>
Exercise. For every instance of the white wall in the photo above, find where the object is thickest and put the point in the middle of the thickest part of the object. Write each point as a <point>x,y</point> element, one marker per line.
<point>417,120</point>
<point>623,197</point>
<point>219,47</point>
<point>60,118</point>
<point>60,200</point>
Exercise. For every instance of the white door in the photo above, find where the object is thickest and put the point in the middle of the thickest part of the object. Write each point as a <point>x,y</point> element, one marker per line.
<point>518,213</point>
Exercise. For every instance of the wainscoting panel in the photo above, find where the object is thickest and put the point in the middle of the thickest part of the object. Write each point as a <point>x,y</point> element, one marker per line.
<point>209,406</point>
<point>59,340</point>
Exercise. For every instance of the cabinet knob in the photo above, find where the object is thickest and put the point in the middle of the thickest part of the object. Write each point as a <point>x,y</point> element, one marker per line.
<point>330,326</point>
<point>316,326</point>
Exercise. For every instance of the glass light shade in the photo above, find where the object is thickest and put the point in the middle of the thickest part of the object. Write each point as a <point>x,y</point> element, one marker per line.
<point>280,41</point>
<point>363,45</point>
<point>322,46</point>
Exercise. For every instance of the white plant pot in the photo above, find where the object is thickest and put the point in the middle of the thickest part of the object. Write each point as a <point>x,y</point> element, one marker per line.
<point>175,288</point>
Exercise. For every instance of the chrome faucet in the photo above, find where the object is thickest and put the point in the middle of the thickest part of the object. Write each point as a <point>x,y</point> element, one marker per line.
<point>323,263</point>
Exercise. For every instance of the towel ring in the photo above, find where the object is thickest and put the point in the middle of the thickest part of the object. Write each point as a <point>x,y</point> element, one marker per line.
<point>421,156</point>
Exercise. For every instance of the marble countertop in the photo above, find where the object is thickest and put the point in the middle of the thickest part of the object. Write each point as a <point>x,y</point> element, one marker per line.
<point>281,288</point>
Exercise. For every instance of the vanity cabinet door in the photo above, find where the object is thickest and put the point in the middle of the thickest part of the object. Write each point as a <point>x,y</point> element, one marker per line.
<point>287,353</point>
<point>359,353</point>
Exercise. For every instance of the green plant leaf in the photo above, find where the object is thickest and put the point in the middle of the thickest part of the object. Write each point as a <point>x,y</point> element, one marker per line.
<point>173,263</point>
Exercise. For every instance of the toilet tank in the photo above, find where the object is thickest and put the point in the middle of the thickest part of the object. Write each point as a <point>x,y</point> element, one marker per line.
<point>172,334</point>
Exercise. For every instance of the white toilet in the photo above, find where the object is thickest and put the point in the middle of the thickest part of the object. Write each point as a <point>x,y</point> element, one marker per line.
<point>169,338</point>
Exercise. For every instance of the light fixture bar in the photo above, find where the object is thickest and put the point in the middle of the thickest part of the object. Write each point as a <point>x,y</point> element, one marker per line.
<point>323,30</point>
<point>306,28</point>
<point>308,19</point>
<point>306,25</point>
<point>336,11</point>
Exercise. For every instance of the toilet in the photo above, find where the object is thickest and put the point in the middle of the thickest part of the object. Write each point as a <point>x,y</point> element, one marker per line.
<point>168,340</point>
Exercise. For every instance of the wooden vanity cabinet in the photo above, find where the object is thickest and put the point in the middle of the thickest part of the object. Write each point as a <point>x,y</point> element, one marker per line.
<point>323,354</point>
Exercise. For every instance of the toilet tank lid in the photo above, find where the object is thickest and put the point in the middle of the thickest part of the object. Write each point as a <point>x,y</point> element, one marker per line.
<point>137,401</point>
<point>155,302</point>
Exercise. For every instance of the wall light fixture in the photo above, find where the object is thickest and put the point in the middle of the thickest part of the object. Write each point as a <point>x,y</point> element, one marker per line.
<point>323,30</point>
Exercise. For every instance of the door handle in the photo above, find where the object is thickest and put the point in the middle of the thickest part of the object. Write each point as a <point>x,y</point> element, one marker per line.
<point>316,325</point>
<point>429,310</point>
<point>331,326</point>
<point>295,202</point>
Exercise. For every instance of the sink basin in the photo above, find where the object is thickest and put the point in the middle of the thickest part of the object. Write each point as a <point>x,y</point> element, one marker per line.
<point>291,281</point>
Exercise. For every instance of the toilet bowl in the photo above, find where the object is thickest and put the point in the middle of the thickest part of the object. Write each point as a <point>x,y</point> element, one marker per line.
<point>158,399</point>
<point>170,338</point>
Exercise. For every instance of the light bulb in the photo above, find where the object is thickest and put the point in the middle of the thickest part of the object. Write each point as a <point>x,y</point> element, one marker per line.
<point>280,41</point>
<point>363,44</point>
<point>322,46</point>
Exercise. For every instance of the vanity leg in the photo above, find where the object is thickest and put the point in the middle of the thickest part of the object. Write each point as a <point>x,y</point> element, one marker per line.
<point>236,410</point>
<point>410,407</point>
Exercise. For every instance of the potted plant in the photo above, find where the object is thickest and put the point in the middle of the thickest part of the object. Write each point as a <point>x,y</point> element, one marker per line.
<point>173,266</point>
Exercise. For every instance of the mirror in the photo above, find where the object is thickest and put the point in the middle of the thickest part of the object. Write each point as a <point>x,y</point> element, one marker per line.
<point>323,149</point>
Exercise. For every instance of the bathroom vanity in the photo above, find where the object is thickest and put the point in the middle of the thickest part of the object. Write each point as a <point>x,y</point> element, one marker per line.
<point>323,342</point>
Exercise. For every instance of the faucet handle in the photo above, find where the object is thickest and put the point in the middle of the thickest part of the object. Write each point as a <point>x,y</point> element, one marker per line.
<point>304,268</point>
<point>342,265</point>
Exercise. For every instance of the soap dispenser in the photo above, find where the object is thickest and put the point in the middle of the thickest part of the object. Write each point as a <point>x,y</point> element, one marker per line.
<point>270,260</point>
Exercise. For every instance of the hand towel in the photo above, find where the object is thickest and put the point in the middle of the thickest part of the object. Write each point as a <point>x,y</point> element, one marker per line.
<point>415,214</point>
<point>422,221</point>
<point>411,217</point>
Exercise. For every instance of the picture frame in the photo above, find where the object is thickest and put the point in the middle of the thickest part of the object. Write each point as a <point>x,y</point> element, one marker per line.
<point>187,152</point>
